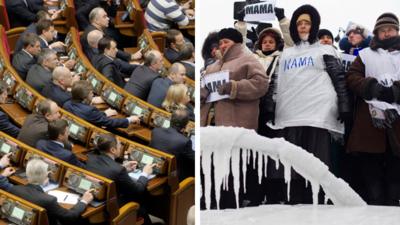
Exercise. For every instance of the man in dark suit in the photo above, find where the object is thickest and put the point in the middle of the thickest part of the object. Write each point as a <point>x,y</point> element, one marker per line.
<point>102,162</point>
<point>39,75</point>
<point>26,58</point>
<point>21,13</point>
<point>79,105</point>
<point>172,141</point>
<point>104,62</point>
<point>41,15</point>
<point>159,87</point>
<point>5,125</point>
<point>37,174</point>
<point>143,76</point>
<point>36,125</point>
<point>175,41</point>
<point>45,30</point>
<point>58,132</point>
<point>186,57</point>
<point>121,60</point>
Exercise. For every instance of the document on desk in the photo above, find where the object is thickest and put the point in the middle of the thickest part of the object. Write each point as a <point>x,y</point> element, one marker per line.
<point>50,186</point>
<point>136,174</point>
<point>65,197</point>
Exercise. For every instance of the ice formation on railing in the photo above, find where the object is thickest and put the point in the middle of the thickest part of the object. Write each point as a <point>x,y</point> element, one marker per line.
<point>225,143</point>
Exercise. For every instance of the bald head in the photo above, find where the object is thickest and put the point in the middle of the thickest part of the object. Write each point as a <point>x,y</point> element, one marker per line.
<point>62,76</point>
<point>151,57</point>
<point>177,73</point>
<point>94,37</point>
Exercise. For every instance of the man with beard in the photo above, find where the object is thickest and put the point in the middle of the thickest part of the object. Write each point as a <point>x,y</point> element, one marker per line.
<point>374,78</point>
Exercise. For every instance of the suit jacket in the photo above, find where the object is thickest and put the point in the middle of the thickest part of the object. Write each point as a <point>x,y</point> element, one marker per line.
<point>20,14</point>
<point>171,141</point>
<point>55,212</point>
<point>140,82</point>
<point>189,69</point>
<point>158,91</point>
<point>29,29</point>
<point>171,55</point>
<point>7,127</point>
<point>109,68</point>
<point>33,129</point>
<point>38,77</point>
<point>127,189</point>
<point>83,8</point>
<point>94,116</point>
<point>43,44</point>
<point>22,62</point>
<point>56,93</point>
<point>58,151</point>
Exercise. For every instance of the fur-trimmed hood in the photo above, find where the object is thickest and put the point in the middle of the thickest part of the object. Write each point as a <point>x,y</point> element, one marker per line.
<point>315,22</point>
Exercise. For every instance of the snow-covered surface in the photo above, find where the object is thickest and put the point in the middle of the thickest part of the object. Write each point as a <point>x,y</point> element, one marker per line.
<point>226,142</point>
<point>303,215</point>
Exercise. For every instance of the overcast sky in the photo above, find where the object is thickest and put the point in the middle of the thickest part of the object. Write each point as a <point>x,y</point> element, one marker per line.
<point>216,14</point>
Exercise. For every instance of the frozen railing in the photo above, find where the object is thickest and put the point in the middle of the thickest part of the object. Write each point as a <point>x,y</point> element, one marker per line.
<point>225,143</point>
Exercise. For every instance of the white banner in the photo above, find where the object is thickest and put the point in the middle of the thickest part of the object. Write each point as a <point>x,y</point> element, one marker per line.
<point>263,11</point>
<point>213,81</point>
<point>347,60</point>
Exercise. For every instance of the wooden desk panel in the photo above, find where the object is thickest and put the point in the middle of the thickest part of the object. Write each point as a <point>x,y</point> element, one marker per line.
<point>16,112</point>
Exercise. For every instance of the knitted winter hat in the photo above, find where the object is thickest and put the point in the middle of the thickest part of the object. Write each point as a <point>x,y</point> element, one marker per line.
<point>323,32</point>
<point>357,28</point>
<point>231,34</point>
<point>386,19</point>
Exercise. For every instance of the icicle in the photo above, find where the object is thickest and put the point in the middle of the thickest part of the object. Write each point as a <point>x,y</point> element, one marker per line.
<point>326,198</point>
<point>266,165</point>
<point>244,169</point>
<point>260,165</point>
<point>315,191</point>
<point>277,164</point>
<point>235,172</point>
<point>306,182</point>
<point>254,159</point>
<point>206,165</point>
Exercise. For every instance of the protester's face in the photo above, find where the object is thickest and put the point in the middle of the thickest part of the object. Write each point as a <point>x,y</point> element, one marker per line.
<point>386,32</point>
<point>102,19</point>
<point>179,41</point>
<point>355,38</point>
<point>303,28</point>
<point>268,43</point>
<point>326,40</point>
<point>35,49</point>
<point>225,44</point>
<point>3,97</point>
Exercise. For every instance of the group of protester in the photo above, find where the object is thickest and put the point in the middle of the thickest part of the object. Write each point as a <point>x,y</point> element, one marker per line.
<point>291,83</point>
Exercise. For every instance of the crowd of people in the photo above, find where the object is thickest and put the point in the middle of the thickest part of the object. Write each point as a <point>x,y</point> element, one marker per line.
<point>290,82</point>
<point>40,58</point>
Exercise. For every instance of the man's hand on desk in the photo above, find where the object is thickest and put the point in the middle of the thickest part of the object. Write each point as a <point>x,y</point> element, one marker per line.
<point>148,169</point>
<point>5,160</point>
<point>136,56</point>
<point>130,165</point>
<point>87,197</point>
<point>189,13</point>
<point>57,44</point>
<point>8,172</point>
<point>110,112</point>
<point>97,100</point>
<point>134,119</point>
<point>70,64</point>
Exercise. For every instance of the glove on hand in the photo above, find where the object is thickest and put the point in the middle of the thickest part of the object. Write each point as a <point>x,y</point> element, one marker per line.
<point>279,13</point>
<point>225,89</point>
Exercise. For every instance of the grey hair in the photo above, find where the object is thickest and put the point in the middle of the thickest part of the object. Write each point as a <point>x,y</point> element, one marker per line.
<point>94,13</point>
<point>59,72</point>
<point>36,171</point>
<point>45,54</point>
<point>94,37</point>
<point>151,57</point>
<point>175,68</point>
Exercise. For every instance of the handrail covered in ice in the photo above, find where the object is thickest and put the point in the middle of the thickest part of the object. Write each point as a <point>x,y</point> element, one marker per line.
<point>225,143</point>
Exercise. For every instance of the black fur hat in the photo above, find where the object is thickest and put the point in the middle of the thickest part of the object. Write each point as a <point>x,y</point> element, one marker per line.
<point>210,43</point>
<point>231,34</point>
<point>315,21</point>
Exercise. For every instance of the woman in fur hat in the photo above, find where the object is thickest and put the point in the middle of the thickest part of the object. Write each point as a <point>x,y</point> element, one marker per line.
<point>247,84</point>
<point>311,93</point>
<point>357,37</point>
